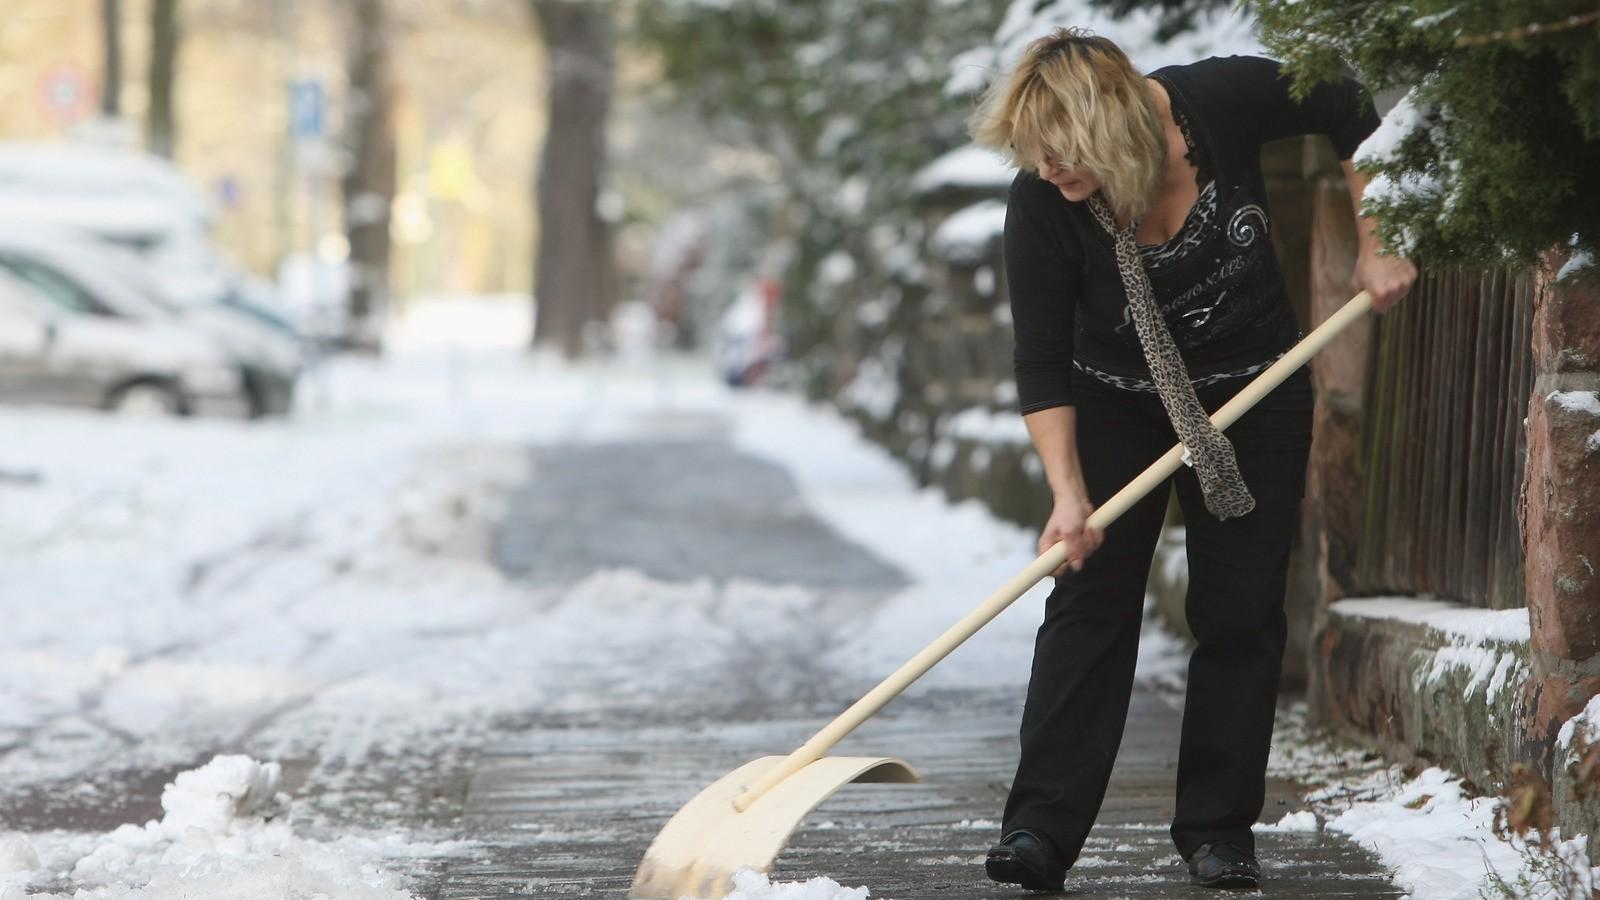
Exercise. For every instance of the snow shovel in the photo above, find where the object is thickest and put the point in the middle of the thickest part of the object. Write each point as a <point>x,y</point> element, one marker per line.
<point>743,820</point>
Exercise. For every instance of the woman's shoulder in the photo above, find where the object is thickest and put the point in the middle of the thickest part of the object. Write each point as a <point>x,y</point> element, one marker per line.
<point>1224,70</point>
<point>1226,94</point>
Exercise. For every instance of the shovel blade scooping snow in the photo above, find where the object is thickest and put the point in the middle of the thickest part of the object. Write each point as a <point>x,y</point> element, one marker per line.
<point>743,820</point>
<point>708,840</point>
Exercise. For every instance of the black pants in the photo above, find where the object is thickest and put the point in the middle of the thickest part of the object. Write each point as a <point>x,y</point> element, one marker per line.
<point>1083,661</point>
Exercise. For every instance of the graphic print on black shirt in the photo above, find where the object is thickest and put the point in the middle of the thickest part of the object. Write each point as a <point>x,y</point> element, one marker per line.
<point>1213,278</point>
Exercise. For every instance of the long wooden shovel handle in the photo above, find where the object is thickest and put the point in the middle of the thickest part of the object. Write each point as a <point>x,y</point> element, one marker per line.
<point>1158,472</point>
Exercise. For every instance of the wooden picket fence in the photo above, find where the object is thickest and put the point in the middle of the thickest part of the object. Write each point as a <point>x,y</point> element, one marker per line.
<point>1443,441</point>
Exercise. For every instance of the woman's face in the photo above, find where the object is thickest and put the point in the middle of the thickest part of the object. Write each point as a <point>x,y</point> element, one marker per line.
<point>1075,183</point>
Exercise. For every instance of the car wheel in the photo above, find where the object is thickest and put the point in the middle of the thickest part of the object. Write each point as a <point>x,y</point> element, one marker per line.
<point>146,401</point>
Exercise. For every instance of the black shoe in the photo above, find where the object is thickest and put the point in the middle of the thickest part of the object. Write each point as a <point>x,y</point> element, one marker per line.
<point>1024,858</point>
<point>1224,866</point>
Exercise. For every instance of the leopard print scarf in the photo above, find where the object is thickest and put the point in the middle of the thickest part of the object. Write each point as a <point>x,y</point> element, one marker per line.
<point>1205,448</point>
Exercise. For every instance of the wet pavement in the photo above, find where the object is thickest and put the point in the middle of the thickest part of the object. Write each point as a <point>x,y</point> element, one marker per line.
<point>565,805</point>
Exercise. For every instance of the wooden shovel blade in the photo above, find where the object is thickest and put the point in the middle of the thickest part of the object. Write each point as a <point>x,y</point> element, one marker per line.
<point>707,841</point>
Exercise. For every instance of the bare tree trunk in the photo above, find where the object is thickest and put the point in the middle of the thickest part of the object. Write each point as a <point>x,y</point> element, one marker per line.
<point>161,125</point>
<point>369,183</point>
<point>111,77</point>
<point>575,276</point>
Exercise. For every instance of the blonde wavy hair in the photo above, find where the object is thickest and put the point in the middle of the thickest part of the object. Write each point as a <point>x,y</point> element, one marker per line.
<point>1075,100</point>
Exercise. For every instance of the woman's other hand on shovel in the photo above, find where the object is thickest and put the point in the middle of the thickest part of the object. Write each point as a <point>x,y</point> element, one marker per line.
<point>1068,523</point>
<point>1389,278</point>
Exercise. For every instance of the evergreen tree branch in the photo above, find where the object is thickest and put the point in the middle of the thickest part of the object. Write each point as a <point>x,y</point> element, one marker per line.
<point>1517,34</point>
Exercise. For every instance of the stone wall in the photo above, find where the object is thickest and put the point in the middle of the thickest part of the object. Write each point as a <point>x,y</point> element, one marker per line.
<point>1561,536</point>
<point>1378,679</point>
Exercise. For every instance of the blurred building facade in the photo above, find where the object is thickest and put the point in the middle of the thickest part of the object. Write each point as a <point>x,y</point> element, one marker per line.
<point>468,116</point>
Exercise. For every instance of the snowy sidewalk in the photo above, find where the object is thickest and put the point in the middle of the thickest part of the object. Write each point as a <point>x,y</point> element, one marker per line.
<point>567,804</point>
<point>481,596</point>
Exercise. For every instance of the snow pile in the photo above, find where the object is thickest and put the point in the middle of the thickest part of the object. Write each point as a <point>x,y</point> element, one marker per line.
<point>748,885</point>
<point>1305,820</point>
<point>224,833</point>
<point>1440,843</point>
<point>215,797</point>
<point>17,858</point>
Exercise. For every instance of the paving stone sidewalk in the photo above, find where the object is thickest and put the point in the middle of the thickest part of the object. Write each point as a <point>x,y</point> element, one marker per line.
<point>565,806</point>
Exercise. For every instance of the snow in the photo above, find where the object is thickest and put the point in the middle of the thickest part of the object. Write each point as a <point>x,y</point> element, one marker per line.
<point>748,885</point>
<point>1398,123</point>
<point>1428,21</point>
<point>213,797</point>
<point>1580,261</point>
<point>1439,842</point>
<point>78,172</point>
<point>1577,401</point>
<point>964,167</point>
<point>1303,820</point>
<point>1437,839</point>
<point>1460,623</point>
<point>1388,188</point>
<point>965,236</point>
<point>1486,645</point>
<point>987,426</point>
<point>1588,720</point>
<point>224,832</point>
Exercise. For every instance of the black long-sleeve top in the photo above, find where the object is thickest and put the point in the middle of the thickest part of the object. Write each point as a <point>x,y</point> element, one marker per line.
<point>1219,285</point>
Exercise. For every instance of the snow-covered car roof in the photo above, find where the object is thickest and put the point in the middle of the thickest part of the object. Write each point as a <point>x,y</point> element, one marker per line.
<point>61,169</point>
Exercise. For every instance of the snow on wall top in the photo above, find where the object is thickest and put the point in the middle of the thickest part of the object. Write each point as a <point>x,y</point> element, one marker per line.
<point>964,167</point>
<point>1458,622</point>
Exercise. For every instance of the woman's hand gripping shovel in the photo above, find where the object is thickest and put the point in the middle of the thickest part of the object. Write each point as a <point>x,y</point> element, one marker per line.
<point>744,820</point>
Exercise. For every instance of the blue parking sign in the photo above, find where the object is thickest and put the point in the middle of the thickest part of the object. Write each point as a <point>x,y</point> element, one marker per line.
<point>306,103</point>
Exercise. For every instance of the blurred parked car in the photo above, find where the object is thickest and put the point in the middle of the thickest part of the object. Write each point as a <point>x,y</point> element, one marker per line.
<point>87,277</point>
<point>140,203</point>
<point>49,354</point>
